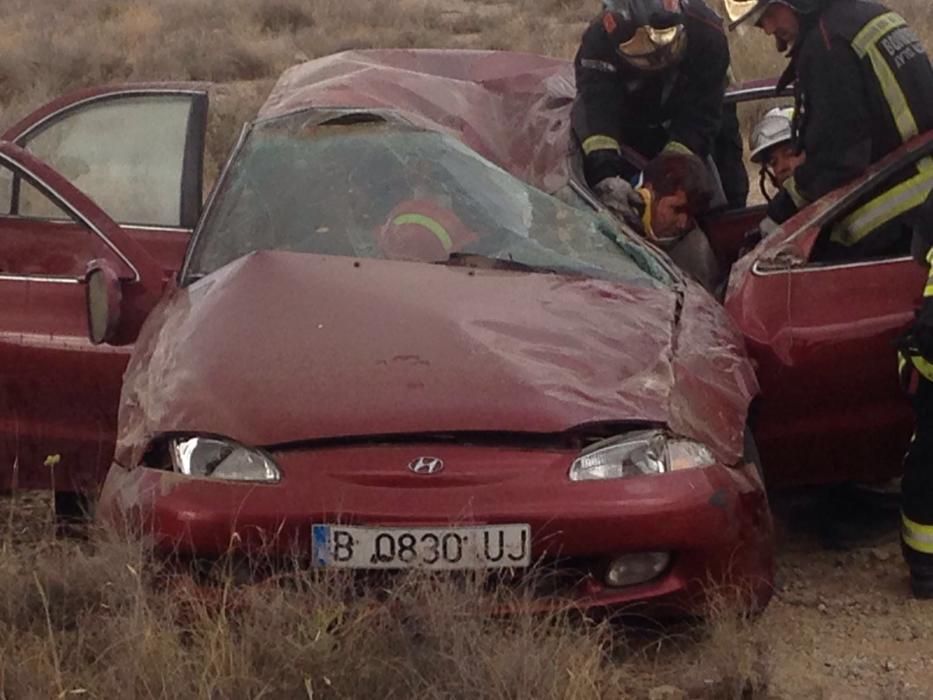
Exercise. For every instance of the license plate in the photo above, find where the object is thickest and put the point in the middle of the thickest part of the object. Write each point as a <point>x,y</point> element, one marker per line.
<point>435,548</point>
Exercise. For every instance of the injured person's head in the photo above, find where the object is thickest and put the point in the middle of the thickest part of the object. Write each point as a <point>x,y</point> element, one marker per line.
<point>677,189</point>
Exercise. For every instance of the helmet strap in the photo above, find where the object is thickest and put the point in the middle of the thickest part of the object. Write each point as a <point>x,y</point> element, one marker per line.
<point>765,176</point>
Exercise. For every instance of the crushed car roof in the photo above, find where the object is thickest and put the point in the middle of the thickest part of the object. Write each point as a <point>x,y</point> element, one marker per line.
<point>512,108</point>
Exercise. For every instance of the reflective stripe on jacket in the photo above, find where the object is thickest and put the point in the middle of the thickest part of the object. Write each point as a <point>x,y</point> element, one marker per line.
<point>421,229</point>
<point>864,87</point>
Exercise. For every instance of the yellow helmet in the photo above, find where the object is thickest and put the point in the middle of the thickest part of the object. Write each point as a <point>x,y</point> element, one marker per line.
<point>649,35</point>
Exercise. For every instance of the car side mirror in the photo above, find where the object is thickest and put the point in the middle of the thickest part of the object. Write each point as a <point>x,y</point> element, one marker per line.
<point>104,297</point>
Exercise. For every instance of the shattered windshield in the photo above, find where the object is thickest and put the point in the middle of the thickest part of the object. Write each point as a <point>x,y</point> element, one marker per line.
<point>389,191</point>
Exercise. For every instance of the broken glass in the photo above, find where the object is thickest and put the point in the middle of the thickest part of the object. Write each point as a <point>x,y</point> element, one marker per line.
<point>339,189</point>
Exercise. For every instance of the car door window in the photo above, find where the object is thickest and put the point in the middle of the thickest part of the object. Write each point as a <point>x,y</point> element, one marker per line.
<point>127,155</point>
<point>875,224</point>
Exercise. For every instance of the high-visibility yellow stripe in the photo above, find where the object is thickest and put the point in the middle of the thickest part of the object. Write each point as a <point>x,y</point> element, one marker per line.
<point>886,207</point>
<point>928,290</point>
<point>677,147</point>
<point>600,142</point>
<point>930,259</point>
<point>866,43</point>
<point>916,536</point>
<point>431,224</point>
<point>921,365</point>
<point>894,96</point>
<point>790,186</point>
<point>871,33</point>
<point>917,362</point>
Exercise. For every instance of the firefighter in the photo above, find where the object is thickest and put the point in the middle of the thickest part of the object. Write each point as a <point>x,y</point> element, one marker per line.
<point>863,86</point>
<point>729,154</point>
<point>916,368</point>
<point>773,149</point>
<point>651,75</point>
<point>729,157</point>
<point>423,229</point>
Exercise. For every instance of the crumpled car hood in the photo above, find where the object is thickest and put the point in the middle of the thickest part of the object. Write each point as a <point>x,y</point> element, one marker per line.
<point>281,347</point>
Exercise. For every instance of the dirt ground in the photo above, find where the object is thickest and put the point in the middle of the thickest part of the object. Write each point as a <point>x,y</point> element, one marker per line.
<point>842,623</point>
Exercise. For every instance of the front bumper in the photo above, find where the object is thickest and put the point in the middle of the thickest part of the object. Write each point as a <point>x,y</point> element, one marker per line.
<point>714,521</point>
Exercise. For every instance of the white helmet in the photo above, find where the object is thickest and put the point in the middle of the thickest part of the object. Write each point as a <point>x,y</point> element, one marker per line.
<point>775,128</point>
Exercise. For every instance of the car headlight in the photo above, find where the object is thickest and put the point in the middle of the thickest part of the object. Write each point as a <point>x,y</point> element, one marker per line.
<point>221,459</point>
<point>638,454</point>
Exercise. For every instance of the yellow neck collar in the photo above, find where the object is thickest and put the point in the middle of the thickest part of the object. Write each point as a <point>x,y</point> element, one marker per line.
<point>648,197</point>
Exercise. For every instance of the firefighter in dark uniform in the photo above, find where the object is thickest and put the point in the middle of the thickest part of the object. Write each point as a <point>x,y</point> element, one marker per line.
<point>916,368</point>
<point>729,157</point>
<point>863,86</point>
<point>651,75</point>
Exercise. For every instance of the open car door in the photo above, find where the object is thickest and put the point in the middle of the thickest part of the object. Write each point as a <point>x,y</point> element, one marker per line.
<point>130,154</point>
<point>822,333</point>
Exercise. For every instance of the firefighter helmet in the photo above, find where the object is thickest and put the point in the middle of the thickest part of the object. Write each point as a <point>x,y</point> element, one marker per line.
<point>775,128</point>
<point>742,11</point>
<point>649,35</point>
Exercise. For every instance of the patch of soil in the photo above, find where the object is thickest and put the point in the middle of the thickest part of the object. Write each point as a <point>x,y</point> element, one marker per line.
<point>842,622</point>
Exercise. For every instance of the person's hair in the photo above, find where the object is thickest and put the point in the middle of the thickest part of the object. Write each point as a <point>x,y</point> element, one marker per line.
<point>670,173</point>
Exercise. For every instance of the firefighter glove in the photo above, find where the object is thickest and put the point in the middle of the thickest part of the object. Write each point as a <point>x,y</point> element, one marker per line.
<point>622,200</point>
<point>605,163</point>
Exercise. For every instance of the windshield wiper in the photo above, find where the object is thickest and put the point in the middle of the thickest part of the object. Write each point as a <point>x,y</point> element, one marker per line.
<point>488,262</point>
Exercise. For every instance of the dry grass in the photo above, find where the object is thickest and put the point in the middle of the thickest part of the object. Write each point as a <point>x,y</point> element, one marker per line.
<point>50,46</point>
<point>101,619</point>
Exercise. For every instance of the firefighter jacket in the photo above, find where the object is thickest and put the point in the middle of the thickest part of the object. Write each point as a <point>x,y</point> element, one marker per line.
<point>679,108</point>
<point>864,86</point>
<point>421,229</point>
<point>922,250</point>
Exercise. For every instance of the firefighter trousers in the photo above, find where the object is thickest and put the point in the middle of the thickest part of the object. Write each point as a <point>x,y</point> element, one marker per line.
<point>917,486</point>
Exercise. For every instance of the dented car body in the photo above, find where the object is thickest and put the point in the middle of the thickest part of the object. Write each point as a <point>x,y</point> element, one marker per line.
<point>551,393</point>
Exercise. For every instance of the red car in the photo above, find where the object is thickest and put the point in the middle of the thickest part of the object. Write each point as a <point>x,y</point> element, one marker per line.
<point>552,390</point>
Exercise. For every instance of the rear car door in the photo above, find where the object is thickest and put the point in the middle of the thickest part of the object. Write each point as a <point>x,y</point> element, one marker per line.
<point>138,153</point>
<point>823,337</point>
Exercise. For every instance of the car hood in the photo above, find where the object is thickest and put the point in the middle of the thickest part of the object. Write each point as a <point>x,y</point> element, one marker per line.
<point>282,347</point>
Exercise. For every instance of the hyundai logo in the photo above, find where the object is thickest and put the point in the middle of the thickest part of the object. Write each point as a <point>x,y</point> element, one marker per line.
<point>426,465</point>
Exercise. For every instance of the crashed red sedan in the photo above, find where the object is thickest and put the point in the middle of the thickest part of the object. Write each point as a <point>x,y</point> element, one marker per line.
<point>545,390</point>
<point>301,331</point>
<point>315,377</point>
